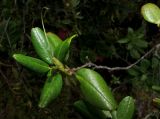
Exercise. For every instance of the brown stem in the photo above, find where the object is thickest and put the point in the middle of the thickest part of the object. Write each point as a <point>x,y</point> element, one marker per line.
<point>90,64</point>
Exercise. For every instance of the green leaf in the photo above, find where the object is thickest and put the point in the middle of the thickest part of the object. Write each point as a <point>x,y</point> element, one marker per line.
<point>62,49</point>
<point>133,72</point>
<point>144,77</point>
<point>123,40</point>
<point>99,114</point>
<point>89,111</point>
<point>144,65</point>
<point>130,32</point>
<point>126,108</point>
<point>140,35</point>
<point>130,46</point>
<point>41,45</point>
<point>75,3</point>
<point>157,100</point>
<point>134,54</point>
<point>141,44</point>
<point>34,64</point>
<point>156,88</point>
<point>51,90</point>
<point>114,114</point>
<point>95,89</point>
<point>155,62</point>
<point>151,13</point>
<point>83,110</point>
<point>54,40</point>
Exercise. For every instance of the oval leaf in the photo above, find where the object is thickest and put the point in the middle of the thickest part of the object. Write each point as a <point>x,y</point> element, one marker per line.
<point>95,89</point>
<point>126,108</point>
<point>151,13</point>
<point>62,49</point>
<point>54,40</point>
<point>51,90</point>
<point>41,45</point>
<point>34,64</point>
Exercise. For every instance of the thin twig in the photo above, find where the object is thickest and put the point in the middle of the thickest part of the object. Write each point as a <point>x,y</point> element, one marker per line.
<point>24,26</point>
<point>5,28</point>
<point>46,9</point>
<point>6,79</point>
<point>6,65</point>
<point>90,64</point>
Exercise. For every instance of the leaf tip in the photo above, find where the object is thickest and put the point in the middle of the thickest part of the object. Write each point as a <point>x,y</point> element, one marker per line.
<point>15,56</point>
<point>41,105</point>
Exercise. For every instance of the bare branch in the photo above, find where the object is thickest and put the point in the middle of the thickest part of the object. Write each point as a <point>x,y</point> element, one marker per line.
<point>90,64</point>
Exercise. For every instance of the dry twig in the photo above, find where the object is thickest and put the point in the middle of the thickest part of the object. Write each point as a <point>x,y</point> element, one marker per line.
<point>90,64</point>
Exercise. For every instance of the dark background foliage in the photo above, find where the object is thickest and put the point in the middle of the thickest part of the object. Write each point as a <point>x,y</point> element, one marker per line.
<point>111,33</point>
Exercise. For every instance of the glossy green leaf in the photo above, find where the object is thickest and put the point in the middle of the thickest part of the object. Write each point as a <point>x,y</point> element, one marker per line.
<point>34,64</point>
<point>51,90</point>
<point>126,108</point>
<point>95,89</point>
<point>62,49</point>
<point>41,45</point>
<point>54,40</point>
<point>151,13</point>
